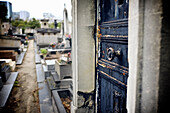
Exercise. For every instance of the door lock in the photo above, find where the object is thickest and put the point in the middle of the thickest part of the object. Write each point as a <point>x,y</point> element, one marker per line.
<point>118,52</point>
<point>111,53</point>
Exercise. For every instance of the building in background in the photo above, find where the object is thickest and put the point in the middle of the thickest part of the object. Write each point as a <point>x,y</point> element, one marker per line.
<point>49,16</point>
<point>15,15</point>
<point>45,35</point>
<point>24,15</point>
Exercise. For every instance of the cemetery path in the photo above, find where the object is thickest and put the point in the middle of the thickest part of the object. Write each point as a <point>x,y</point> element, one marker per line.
<point>24,96</point>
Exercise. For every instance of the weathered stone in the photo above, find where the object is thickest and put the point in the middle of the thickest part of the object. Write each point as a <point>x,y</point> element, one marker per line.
<point>81,101</point>
<point>50,65</point>
<point>46,72</point>
<point>83,54</point>
<point>65,83</point>
<point>56,99</point>
<point>5,73</point>
<point>63,70</point>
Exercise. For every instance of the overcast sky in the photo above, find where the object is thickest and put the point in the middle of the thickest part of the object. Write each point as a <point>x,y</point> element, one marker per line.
<point>36,8</point>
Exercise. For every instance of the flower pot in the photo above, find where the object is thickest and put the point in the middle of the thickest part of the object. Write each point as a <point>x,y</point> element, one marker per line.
<point>53,46</point>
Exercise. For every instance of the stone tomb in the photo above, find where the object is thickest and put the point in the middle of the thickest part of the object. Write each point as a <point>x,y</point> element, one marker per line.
<point>63,70</point>
<point>50,65</point>
<point>4,71</point>
<point>61,100</point>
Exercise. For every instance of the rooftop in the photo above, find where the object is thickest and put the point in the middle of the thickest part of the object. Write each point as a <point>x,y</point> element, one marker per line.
<point>48,30</point>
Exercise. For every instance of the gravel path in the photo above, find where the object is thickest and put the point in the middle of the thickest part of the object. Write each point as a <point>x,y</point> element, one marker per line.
<point>24,96</point>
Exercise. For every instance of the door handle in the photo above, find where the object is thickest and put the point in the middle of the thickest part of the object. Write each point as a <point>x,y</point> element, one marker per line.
<point>110,53</point>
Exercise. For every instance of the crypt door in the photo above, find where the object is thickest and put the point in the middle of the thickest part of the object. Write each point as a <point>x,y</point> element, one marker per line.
<point>112,61</point>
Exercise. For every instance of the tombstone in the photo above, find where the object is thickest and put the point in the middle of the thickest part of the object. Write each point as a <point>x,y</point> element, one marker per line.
<point>5,73</point>
<point>63,70</point>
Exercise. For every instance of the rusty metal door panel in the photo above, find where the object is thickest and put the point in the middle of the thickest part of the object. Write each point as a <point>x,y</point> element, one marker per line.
<point>112,66</point>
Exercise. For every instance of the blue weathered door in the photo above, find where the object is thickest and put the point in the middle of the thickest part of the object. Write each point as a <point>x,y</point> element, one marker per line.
<point>112,64</point>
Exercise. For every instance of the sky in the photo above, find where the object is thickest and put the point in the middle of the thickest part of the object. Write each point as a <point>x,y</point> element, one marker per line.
<point>36,8</point>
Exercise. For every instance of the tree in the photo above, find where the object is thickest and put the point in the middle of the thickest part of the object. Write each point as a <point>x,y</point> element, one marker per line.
<point>34,23</point>
<point>24,24</point>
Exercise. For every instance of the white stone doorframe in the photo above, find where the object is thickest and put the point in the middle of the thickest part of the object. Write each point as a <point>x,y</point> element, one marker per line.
<point>149,56</point>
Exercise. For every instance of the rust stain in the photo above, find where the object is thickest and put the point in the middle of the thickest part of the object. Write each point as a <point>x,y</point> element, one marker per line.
<point>102,65</point>
<point>109,67</point>
<point>113,78</point>
<point>115,36</point>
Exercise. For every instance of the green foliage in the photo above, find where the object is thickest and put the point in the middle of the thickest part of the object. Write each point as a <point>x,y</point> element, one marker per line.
<point>24,24</point>
<point>52,25</point>
<point>59,25</point>
<point>43,51</point>
<point>34,23</point>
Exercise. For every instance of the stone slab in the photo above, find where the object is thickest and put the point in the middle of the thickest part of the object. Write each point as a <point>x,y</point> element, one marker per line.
<point>57,102</point>
<point>55,76</point>
<point>4,94</point>
<point>63,84</point>
<point>59,50</point>
<point>37,59</point>
<point>45,98</point>
<point>20,58</point>
<point>40,74</point>
<point>7,87</point>
<point>51,83</point>
<point>12,78</point>
<point>46,72</point>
